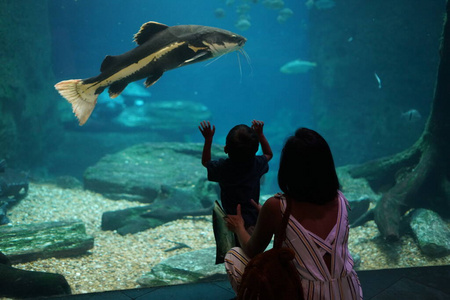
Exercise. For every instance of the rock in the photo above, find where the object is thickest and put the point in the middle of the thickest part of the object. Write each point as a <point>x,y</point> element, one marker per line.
<point>3,212</point>
<point>4,260</point>
<point>183,268</point>
<point>356,260</point>
<point>13,184</point>
<point>24,243</point>
<point>68,182</point>
<point>128,220</point>
<point>431,232</point>
<point>141,173</point>
<point>173,117</point>
<point>13,188</point>
<point>136,219</point>
<point>16,283</point>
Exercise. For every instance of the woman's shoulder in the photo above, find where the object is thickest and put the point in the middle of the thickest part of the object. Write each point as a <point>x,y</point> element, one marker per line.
<point>274,201</point>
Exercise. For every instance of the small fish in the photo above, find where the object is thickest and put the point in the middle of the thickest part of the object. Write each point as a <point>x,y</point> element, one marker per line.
<point>243,24</point>
<point>273,4</point>
<point>160,48</point>
<point>320,4</point>
<point>219,13</point>
<point>297,66</point>
<point>324,4</point>
<point>177,247</point>
<point>412,115</point>
<point>378,79</point>
<point>284,15</point>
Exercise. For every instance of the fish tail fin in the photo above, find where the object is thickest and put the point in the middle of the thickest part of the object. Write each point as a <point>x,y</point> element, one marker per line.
<point>75,92</point>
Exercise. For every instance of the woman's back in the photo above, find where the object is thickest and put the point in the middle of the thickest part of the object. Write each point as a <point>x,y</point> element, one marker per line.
<point>318,236</point>
<point>319,219</point>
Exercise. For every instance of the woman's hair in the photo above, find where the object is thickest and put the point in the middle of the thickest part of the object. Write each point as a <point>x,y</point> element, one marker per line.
<point>307,171</point>
<point>242,143</point>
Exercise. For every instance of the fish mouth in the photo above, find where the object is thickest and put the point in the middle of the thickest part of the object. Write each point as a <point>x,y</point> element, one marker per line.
<point>242,42</point>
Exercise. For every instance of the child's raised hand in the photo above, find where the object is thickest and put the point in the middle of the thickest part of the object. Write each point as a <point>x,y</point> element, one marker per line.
<point>206,130</point>
<point>258,127</point>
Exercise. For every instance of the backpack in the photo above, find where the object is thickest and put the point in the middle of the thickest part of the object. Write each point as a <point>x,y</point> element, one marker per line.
<point>272,274</point>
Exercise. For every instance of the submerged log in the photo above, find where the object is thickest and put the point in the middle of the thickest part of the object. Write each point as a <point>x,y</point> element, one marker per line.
<point>16,283</point>
<point>24,243</point>
<point>136,219</point>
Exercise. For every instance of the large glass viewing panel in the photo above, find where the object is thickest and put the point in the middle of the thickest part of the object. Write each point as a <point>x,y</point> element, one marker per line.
<point>123,200</point>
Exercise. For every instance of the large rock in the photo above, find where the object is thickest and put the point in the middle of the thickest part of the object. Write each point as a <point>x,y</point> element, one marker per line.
<point>154,121</point>
<point>183,268</point>
<point>27,102</point>
<point>150,171</point>
<point>172,117</point>
<point>431,232</point>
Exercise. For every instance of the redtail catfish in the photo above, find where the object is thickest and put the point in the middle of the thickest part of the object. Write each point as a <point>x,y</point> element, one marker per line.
<point>160,48</point>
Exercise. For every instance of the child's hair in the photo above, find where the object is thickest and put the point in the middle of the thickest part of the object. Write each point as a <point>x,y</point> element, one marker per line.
<point>242,143</point>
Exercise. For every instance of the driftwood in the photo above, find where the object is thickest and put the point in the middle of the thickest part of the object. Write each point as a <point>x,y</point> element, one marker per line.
<point>136,219</point>
<point>16,283</point>
<point>418,176</point>
<point>24,243</point>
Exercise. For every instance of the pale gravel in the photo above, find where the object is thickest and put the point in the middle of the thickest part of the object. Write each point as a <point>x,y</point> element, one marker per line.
<point>116,261</point>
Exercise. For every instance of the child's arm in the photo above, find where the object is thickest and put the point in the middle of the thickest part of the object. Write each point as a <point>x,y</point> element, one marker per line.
<point>265,147</point>
<point>208,133</point>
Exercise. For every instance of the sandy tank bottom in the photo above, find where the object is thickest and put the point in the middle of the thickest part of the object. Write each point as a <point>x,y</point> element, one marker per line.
<point>116,261</point>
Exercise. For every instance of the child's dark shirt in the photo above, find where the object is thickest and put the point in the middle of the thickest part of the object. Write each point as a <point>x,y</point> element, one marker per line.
<point>239,182</point>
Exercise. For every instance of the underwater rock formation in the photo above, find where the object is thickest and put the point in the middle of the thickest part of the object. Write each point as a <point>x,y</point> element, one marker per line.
<point>137,219</point>
<point>27,108</point>
<point>167,116</point>
<point>167,175</point>
<point>431,232</point>
<point>141,173</point>
<point>13,187</point>
<point>193,266</point>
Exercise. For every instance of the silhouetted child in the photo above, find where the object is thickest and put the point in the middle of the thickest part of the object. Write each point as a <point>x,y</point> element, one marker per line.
<point>239,175</point>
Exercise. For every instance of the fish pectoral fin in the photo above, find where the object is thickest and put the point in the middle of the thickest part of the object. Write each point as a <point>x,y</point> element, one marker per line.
<point>199,57</point>
<point>148,30</point>
<point>116,88</point>
<point>153,78</point>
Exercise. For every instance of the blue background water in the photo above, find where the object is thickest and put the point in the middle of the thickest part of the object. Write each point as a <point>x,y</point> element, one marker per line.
<point>235,90</point>
<point>84,32</point>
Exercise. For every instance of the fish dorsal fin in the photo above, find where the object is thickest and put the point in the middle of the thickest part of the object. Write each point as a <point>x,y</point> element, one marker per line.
<point>107,62</point>
<point>147,31</point>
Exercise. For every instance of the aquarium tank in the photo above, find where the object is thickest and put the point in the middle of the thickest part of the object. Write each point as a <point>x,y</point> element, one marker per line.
<point>101,178</point>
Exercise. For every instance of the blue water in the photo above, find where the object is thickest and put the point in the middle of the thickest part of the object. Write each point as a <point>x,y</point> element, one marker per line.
<point>84,32</point>
<point>235,90</point>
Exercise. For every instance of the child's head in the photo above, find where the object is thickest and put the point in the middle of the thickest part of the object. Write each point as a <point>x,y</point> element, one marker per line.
<point>242,143</point>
